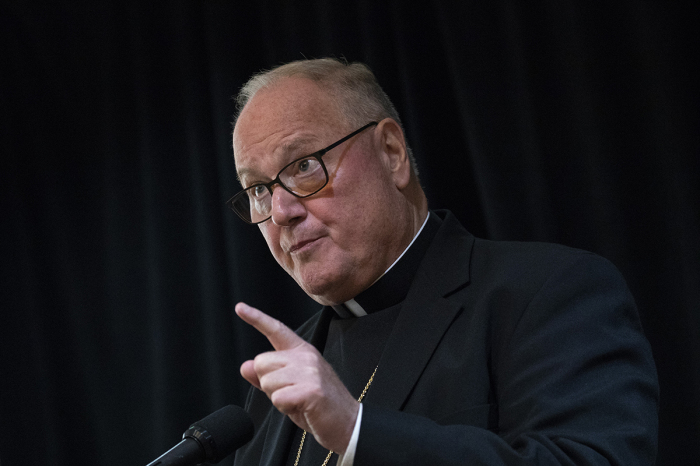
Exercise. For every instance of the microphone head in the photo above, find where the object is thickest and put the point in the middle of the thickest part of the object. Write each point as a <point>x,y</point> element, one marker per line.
<point>222,432</point>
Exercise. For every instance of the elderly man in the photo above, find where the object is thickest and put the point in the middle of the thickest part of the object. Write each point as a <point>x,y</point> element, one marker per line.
<point>433,347</point>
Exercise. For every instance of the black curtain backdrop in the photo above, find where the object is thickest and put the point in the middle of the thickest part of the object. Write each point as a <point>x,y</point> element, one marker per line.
<point>568,122</point>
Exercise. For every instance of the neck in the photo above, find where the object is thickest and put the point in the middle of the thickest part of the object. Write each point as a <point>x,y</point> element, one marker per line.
<point>418,203</point>
<point>392,287</point>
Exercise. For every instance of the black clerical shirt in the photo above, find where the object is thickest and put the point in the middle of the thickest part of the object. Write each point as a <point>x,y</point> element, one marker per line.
<point>354,344</point>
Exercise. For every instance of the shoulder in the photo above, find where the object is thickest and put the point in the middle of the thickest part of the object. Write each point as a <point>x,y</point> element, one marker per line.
<point>534,262</point>
<point>517,264</point>
<point>541,277</point>
<point>511,283</point>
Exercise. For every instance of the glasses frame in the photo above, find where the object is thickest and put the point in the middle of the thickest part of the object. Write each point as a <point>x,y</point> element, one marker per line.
<point>317,155</point>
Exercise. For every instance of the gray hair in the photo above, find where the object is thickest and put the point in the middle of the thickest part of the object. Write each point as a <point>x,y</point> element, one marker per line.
<point>360,98</point>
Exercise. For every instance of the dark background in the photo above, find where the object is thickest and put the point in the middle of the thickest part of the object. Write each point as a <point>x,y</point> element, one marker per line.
<point>551,121</point>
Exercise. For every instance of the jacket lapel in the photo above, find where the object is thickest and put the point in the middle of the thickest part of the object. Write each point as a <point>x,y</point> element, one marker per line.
<point>425,316</point>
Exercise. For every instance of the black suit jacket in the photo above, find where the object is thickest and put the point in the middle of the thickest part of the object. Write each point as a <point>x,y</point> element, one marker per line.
<point>503,353</point>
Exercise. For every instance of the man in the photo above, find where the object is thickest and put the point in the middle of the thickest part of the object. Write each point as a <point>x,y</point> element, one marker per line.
<point>461,350</point>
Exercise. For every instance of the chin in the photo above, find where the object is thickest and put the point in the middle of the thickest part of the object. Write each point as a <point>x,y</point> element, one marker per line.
<point>324,290</point>
<point>323,294</point>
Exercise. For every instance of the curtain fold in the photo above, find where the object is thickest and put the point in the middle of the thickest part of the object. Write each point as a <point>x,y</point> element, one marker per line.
<point>121,264</point>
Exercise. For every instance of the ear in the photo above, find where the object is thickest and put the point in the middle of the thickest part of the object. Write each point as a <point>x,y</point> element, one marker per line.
<point>394,153</point>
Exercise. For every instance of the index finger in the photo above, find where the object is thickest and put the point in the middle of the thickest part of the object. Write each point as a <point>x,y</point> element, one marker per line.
<point>279,335</point>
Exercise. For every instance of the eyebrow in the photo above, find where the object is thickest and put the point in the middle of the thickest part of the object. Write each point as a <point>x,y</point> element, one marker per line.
<point>296,143</point>
<point>285,148</point>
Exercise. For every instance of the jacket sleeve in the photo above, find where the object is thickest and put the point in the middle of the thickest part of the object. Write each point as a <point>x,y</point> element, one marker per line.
<point>574,381</point>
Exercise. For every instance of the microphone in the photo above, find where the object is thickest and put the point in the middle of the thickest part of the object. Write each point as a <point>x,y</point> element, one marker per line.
<point>211,439</point>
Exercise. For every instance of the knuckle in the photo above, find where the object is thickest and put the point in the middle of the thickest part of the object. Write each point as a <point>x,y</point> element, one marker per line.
<point>316,392</point>
<point>264,383</point>
<point>308,356</point>
<point>258,362</point>
<point>283,403</point>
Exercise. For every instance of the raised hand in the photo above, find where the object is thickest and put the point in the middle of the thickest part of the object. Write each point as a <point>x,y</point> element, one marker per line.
<point>300,383</point>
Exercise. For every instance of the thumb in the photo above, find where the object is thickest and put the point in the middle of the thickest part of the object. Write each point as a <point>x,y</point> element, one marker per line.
<point>248,373</point>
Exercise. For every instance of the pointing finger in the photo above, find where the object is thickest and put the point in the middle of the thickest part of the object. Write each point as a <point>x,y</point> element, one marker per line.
<point>279,335</point>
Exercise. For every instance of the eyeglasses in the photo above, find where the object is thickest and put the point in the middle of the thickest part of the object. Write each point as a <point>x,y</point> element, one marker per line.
<point>303,177</point>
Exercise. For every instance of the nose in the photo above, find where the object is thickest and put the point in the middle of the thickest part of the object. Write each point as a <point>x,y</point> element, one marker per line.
<point>287,209</point>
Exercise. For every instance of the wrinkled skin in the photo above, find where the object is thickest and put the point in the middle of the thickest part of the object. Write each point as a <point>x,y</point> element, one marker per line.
<point>334,244</point>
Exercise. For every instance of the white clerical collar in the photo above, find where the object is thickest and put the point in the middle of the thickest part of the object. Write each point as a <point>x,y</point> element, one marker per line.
<point>353,307</point>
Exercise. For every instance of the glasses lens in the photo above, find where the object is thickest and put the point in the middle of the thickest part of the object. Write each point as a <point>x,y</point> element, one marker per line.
<point>304,177</point>
<point>254,204</point>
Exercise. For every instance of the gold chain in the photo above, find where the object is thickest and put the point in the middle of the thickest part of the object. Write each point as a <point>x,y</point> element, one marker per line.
<point>303,436</point>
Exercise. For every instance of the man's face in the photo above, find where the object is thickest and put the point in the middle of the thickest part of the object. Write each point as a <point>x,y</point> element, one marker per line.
<point>338,241</point>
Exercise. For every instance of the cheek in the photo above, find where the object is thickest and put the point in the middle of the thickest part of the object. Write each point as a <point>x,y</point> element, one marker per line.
<point>354,225</point>
<point>363,202</point>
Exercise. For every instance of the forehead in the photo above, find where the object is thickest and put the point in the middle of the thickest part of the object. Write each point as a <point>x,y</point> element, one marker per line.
<point>293,114</point>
